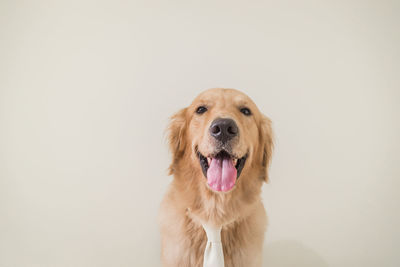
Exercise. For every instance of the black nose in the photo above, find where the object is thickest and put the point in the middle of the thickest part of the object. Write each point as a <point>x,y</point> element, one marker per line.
<point>223,129</point>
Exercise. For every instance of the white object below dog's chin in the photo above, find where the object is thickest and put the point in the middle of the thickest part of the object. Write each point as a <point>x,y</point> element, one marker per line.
<point>213,254</point>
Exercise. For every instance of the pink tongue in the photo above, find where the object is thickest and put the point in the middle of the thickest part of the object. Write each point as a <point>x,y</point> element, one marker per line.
<point>221,175</point>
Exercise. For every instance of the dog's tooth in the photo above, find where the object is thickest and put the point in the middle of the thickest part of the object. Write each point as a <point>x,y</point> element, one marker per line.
<point>209,161</point>
<point>234,162</point>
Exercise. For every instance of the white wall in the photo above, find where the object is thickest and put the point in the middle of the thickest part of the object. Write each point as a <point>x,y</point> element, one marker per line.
<point>86,88</point>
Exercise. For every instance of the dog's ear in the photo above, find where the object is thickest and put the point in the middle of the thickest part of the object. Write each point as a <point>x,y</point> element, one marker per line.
<point>267,144</point>
<point>176,137</point>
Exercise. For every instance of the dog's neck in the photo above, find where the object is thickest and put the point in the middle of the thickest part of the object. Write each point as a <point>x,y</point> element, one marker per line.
<point>219,209</point>
<point>201,220</point>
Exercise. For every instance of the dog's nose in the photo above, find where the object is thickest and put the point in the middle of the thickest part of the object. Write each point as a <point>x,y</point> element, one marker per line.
<point>223,129</point>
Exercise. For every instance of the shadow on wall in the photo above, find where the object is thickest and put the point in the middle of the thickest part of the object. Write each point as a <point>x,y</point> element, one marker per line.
<point>287,253</point>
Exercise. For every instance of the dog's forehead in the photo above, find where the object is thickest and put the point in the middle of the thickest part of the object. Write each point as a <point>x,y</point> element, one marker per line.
<point>223,96</point>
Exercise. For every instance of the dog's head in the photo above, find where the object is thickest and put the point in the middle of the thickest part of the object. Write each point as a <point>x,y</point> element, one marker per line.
<point>222,136</point>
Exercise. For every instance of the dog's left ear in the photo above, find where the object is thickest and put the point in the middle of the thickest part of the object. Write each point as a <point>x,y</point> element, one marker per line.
<point>176,137</point>
<point>267,144</point>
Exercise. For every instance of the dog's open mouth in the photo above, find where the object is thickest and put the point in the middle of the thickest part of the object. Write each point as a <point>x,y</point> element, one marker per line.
<point>221,170</point>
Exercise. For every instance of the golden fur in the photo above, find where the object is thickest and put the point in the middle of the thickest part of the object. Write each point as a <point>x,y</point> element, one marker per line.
<point>189,201</point>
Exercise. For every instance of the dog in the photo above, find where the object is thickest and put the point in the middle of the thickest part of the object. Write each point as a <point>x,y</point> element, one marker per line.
<point>221,149</point>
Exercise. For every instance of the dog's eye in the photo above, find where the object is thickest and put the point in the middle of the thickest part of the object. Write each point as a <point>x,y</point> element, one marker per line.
<point>245,111</point>
<point>201,110</point>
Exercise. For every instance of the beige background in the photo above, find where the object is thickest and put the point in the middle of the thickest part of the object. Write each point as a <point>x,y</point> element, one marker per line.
<point>86,88</point>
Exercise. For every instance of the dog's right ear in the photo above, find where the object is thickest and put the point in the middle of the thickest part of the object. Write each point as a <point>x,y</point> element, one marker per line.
<point>176,137</point>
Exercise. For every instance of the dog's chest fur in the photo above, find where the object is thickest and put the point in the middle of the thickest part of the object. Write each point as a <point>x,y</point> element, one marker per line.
<point>242,240</point>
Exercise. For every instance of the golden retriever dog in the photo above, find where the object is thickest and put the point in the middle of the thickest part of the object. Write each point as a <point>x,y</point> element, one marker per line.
<point>221,147</point>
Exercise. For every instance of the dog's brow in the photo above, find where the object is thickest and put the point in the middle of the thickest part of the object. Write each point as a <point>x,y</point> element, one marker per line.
<point>242,103</point>
<point>205,101</point>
